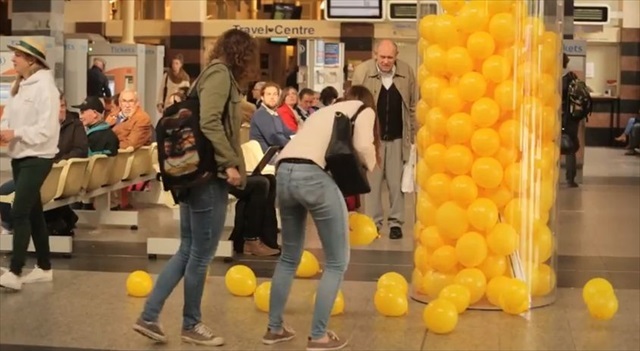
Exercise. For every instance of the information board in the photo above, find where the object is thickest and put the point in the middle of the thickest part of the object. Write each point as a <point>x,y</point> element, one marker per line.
<point>354,10</point>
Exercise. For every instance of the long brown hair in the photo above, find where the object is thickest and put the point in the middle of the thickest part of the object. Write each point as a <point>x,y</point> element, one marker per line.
<point>239,51</point>
<point>182,75</point>
<point>361,93</point>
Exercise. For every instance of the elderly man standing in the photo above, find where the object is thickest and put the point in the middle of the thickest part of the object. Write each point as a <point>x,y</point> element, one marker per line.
<point>392,83</point>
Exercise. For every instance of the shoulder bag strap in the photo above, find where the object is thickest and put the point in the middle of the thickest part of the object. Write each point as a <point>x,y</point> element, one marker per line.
<point>355,116</point>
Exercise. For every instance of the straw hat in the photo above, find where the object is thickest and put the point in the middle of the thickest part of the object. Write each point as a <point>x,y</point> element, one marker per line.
<point>33,47</point>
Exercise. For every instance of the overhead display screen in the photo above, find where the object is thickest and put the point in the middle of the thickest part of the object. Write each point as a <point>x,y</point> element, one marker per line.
<point>365,10</point>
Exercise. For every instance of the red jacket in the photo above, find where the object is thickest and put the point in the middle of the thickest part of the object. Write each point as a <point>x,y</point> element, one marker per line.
<point>288,117</point>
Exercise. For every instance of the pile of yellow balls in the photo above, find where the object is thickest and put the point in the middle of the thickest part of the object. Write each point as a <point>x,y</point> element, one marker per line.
<point>487,153</point>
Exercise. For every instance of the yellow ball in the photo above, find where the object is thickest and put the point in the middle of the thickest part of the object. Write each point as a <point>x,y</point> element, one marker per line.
<point>262,295</point>
<point>458,159</point>
<point>493,266</point>
<point>480,45</point>
<point>444,259</point>
<point>485,142</point>
<point>440,316</point>
<point>502,27</point>
<point>309,265</point>
<point>487,172</point>
<point>240,280</point>
<point>603,307</point>
<point>463,189</point>
<point>472,86</point>
<point>437,187</point>
<point>543,280</point>
<point>459,61</point>
<point>139,284</point>
<point>596,287</point>
<point>515,298</point>
<point>434,157</point>
<point>502,239</point>
<point>458,295</point>
<point>433,282</point>
<point>474,280</point>
<point>471,249</point>
<point>393,280</point>
<point>391,302</point>
<point>449,100</point>
<point>460,128</point>
<point>430,238</point>
<point>496,286</point>
<point>485,112</point>
<point>451,220</point>
<point>482,214</point>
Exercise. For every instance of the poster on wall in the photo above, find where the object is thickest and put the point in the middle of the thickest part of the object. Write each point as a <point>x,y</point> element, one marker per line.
<point>121,72</point>
<point>332,55</point>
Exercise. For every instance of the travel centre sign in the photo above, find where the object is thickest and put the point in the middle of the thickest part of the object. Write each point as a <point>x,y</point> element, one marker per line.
<point>307,29</point>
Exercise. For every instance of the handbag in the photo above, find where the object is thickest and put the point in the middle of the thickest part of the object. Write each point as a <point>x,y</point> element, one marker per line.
<point>566,144</point>
<point>343,162</point>
<point>409,173</point>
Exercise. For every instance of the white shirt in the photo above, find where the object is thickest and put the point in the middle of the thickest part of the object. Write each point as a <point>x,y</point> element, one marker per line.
<point>33,116</point>
<point>387,77</point>
<point>313,138</point>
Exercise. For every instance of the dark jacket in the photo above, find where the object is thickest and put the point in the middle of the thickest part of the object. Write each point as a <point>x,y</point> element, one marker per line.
<point>102,140</point>
<point>97,83</point>
<point>73,139</point>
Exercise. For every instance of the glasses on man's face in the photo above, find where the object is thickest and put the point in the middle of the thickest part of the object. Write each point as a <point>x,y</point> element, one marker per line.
<point>127,102</point>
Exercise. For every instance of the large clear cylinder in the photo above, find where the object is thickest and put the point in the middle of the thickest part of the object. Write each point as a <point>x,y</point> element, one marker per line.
<point>488,150</point>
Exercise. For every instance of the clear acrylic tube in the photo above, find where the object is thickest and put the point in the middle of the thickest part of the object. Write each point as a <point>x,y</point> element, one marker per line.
<point>488,149</point>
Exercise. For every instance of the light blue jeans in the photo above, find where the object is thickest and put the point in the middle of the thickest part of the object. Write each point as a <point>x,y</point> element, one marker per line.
<point>202,215</point>
<point>302,189</point>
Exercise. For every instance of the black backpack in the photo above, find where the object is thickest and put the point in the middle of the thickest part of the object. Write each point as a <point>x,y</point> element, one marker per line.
<point>342,159</point>
<point>580,102</point>
<point>185,156</point>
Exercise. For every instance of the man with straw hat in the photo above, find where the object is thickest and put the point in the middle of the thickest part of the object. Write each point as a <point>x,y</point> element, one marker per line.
<point>30,127</point>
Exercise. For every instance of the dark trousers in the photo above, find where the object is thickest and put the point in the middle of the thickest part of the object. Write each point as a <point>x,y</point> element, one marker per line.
<point>28,219</point>
<point>571,163</point>
<point>255,212</point>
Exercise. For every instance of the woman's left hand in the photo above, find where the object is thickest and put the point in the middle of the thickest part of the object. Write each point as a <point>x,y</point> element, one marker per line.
<point>7,135</point>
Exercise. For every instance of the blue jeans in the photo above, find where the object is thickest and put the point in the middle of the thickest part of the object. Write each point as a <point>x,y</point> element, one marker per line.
<point>302,189</point>
<point>202,215</point>
<point>629,126</point>
<point>5,209</point>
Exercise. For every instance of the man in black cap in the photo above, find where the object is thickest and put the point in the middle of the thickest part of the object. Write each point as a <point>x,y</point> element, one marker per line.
<point>102,140</point>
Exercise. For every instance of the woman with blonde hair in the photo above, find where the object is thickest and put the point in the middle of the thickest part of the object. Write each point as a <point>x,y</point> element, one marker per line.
<point>30,126</point>
<point>172,80</point>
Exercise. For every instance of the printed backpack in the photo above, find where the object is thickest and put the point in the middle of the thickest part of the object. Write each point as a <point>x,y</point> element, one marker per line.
<point>185,156</point>
<point>580,102</point>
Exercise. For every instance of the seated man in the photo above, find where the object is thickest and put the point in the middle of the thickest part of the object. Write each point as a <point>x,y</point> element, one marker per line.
<point>102,139</point>
<point>72,143</point>
<point>255,230</point>
<point>133,127</point>
<point>267,127</point>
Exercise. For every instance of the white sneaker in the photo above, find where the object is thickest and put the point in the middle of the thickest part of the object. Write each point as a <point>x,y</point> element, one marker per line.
<point>38,275</point>
<point>11,281</point>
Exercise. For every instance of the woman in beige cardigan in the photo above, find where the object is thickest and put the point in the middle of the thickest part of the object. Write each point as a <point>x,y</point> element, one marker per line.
<point>172,80</point>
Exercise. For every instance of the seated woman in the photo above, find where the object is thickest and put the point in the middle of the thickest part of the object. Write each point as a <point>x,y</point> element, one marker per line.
<point>72,143</point>
<point>267,127</point>
<point>288,110</point>
<point>255,230</point>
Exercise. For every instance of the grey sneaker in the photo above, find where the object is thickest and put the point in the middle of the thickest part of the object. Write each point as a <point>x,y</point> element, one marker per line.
<point>151,330</point>
<point>270,338</point>
<point>334,343</point>
<point>201,335</point>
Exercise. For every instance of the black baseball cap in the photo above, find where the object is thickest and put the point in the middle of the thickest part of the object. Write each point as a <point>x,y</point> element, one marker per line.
<point>91,103</point>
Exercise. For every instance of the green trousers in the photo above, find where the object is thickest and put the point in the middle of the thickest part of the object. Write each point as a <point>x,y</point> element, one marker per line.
<point>28,219</point>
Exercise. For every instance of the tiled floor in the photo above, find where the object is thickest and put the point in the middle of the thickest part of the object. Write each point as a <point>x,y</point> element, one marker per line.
<point>598,235</point>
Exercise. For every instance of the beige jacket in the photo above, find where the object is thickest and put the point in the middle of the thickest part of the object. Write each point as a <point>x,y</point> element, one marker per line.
<point>367,74</point>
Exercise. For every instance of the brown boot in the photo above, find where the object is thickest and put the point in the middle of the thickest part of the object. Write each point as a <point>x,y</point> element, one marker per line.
<point>257,248</point>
